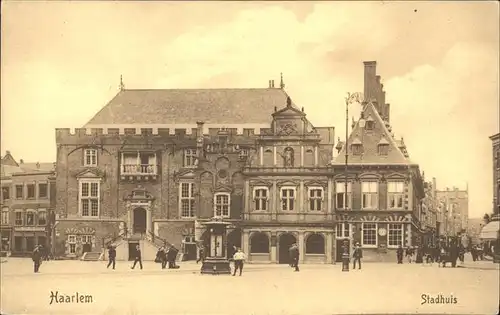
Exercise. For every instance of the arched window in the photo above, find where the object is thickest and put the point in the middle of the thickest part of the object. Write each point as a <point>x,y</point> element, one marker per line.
<point>259,243</point>
<point>315,244</point>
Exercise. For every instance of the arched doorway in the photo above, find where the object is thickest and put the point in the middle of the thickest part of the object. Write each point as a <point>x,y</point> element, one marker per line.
<point>285,241</point>
<point>140,218</point>
<point>233,240</point>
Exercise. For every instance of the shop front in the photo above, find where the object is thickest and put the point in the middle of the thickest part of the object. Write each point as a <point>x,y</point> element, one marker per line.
<point>6,242</point>
<point>26,238</point>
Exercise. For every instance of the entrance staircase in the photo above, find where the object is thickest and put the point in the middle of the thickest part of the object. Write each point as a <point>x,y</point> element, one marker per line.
<point>92,256</point>
<point>148,241</point>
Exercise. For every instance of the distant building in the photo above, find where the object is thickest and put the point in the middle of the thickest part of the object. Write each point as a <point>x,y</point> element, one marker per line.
<point>430,213</point>
<point>27,204</point>
<point>454,204</point>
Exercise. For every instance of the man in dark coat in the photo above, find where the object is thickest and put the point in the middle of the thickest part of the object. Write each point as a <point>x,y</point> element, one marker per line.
<point>111,256</point>
<point>171,257</point>
<point>400,253</point>
<point>37,258</point>
<point>138,257</point>
<point>291,252</point>
<point>295,255</point>
<point>357,255</point>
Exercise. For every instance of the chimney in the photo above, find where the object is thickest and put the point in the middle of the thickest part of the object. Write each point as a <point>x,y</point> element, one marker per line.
<point>7,152</point>
<point>37,164</point>
<point>21,161</point>
<point>370,80</point>
<point>200,139</point>
<point>270,84</point>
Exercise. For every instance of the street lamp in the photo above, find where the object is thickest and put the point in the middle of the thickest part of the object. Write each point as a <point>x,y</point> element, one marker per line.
<point>351,98</point>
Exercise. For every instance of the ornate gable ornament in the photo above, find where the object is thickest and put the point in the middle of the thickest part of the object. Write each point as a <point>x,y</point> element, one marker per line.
<point>223,189</point>
<point>93,173</point>
<point>313,183</point>
<point>139,193</point>
<point>257,183</point>
<point>184,174</point>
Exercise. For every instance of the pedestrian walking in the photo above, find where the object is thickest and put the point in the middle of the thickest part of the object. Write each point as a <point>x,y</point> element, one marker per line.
<point>357,255</point>
<point>239,259</point>
<point>399,254</point>
<point>295,255</point>
<point>291,251</point>
<point>138,257</point>
<point>111,256</point>
<point>201,254</point>
<point>37,258</point>
<point>163,257</point>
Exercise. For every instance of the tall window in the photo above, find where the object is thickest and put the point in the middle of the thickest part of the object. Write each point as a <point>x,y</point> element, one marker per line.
<point>30,217</point>
<point>369,234</point>
<point>395,194</point>
<point>370,195</point>
<point>343,230</point>
<point>5,193</point>
<point>87,239</point>
<point>72,244</point>
<point>190,156</point>
<point>187,200</point>
<point>89,198</point>
<point>19,191</point>
<point>315,198</point>
<point>340,195</point>
<point>43,190</point>
<point>5,215</point>
<point>90,157</point>
<point>222,204</point>
<point>356,148</point>
<point>261,195</point>
<point>19,218</point>
<point>395,235</point>
<point>42,217</point>
<point>30,191</point>
<point>287,199</point>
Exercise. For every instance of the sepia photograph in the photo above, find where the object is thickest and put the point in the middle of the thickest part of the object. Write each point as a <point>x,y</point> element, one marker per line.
<point>250,157</point>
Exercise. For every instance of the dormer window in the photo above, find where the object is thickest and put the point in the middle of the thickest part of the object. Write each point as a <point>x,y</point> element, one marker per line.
<point>383,147</point>
<point>369,123</point>
<point>356,147</point>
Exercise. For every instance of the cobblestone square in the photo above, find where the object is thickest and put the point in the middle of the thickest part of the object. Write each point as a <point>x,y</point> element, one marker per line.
<point>263,289</point>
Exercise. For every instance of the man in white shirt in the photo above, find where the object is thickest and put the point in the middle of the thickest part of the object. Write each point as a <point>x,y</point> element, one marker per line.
<point>239,257</point>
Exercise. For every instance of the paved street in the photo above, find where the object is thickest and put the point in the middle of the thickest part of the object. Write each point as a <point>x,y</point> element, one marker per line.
<point>263,289</point>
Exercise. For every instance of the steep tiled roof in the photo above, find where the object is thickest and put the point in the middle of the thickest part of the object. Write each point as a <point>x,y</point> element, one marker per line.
<point>187,106</point>
<point>37,167</point>
<point>8,170</point>
<point>370,140</point>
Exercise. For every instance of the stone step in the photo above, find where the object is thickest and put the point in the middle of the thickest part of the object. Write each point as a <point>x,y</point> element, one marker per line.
<point>91,256</point>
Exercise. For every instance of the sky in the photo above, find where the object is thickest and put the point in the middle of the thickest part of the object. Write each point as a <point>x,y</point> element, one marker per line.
<point>62,61</point>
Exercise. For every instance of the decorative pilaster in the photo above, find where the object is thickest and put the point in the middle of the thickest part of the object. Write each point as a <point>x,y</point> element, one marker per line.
<point>300,204</point>
<point>301,156</point>
<point>329,200</point>
<point>275,202</point>
<point>301,247</point>
<point>245,242</point>
<point>248,195</point>
<point>274,156</point>
<point>316,156</point>
<point>274,238</point>
<point>261,155</point>
<point>329,243</point>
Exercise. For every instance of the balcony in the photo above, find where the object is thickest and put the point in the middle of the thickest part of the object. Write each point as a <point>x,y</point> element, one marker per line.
<point>139,169</point>
<point>138,166</point>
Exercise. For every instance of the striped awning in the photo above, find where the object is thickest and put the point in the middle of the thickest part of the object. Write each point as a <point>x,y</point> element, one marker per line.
<point>490,231</point>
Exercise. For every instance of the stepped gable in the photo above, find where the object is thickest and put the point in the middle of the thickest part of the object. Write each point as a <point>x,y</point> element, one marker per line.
<point>186,106</point>
<point>370,140</point>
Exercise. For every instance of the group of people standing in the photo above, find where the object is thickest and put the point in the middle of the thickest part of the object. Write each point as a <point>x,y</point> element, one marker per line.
<point>167,255</point>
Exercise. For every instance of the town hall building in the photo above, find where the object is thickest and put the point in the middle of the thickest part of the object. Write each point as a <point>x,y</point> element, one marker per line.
<point>153,165</point>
